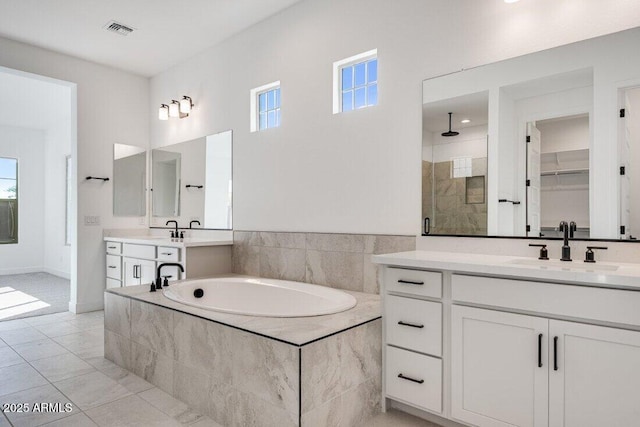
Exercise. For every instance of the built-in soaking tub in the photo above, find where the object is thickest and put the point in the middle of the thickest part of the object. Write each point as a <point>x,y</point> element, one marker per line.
<point>260,297</point>
<point>312,370</point>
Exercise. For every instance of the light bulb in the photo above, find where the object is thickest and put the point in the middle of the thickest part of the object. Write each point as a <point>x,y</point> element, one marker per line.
<point>174,109</point>
<point>163,112</point>
<point>185,105</point>
<point>465,121</point>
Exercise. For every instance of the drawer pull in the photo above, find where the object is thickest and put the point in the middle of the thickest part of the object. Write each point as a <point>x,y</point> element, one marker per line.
<point>166,253</point>
<point>112,247</point>
<point>112,266</point>
<point>410,379</point>
<point>410,282</point>
<point>412,325</point>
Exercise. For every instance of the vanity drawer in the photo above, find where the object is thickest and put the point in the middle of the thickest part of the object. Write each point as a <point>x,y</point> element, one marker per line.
<point>415,282</point>
<point>414,324</point>
<point>113,283</point>
<point>425,391</point>
<point>114,248</point>
<point>583,302</point>
<point>139,251</point>
<point>168,254</point>
<point>114,267</point>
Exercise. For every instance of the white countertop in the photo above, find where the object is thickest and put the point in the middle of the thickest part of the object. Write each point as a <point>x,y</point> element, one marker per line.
<point>187,242</point>
<point>605,274</point>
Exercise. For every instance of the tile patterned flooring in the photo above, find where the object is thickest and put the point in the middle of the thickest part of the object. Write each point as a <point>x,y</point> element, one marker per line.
<point>58,359</point>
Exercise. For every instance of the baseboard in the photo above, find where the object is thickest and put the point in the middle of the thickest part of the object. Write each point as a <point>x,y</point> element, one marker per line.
<point>59,273</point>
<point>86,307</point>
<point>24,270</point>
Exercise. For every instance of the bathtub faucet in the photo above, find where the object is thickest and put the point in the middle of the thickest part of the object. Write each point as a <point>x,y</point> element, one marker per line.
<point>166,278</point>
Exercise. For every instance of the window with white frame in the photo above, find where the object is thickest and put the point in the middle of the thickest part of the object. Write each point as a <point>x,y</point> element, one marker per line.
<point>355,82</point>
<point>265,107</point>
<point>461,167</point>
<point>8,200</point>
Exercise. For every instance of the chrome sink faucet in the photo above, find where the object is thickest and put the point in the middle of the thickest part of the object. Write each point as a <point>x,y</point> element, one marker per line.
<point>566,249</point>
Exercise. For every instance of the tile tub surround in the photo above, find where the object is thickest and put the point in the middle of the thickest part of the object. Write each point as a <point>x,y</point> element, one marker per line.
<point>340,261</point>
<point>243,370</point>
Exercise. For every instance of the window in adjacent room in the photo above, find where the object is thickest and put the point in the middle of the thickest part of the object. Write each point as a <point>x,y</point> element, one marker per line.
<point>355,82</point>
<point>8,200</point>
<point>265,107</point>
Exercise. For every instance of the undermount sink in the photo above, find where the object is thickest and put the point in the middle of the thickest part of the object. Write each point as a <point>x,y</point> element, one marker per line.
<point>576,265</point>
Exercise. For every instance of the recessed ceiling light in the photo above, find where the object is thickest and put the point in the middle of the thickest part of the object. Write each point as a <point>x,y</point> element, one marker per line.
<point>465,121</point>
<point>511,1</point>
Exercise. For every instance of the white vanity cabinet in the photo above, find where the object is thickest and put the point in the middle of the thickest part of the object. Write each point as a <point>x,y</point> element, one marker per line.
<point>133,260</point>
<point>490,350</point>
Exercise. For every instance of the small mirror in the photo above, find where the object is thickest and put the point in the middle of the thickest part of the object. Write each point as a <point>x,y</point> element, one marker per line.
<point>165,184</point>
<point>192,182</point>
<point>129,180</point>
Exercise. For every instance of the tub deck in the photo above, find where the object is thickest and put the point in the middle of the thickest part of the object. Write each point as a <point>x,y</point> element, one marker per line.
<point>294,330</point>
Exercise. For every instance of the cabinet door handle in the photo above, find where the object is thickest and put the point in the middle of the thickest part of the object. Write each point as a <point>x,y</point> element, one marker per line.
<point>135,272</point>
<point>112,266</point>
<point>410,379</point>
<point>412,325</point>
<point>410,282</point>
<point>539,350</point>
<point>555,353</point>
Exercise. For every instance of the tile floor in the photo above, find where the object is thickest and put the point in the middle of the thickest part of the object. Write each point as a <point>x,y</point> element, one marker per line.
<point>32,294</point>
<point>58,359</point>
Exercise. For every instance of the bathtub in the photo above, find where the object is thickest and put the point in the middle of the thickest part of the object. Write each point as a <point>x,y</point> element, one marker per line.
<point>254,296</point>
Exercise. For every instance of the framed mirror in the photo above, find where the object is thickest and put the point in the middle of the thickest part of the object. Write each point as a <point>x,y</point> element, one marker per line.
<point>549,138</point>
<point>192,181</point>
<point>129,180</point>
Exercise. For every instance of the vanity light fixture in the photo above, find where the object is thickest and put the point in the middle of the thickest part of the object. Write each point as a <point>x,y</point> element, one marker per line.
<point>163,112</point>
<point>465,121</point>
<point>186,103</point>
<point>174,108</point>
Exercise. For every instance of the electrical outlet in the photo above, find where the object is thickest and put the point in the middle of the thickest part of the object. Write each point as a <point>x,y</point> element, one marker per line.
<point>91,220</point>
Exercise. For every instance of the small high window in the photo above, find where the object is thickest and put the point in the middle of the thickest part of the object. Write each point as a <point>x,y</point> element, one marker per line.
<point>8,200</point>
<point>265,107</point>
<point>355,82</point>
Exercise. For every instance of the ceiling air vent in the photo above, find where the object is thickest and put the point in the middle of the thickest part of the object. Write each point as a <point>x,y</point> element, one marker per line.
<point>118,28</point>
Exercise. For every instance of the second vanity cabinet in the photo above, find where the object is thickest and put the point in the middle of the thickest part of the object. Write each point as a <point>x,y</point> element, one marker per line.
<point>525,370</point>
<point>510,351</point>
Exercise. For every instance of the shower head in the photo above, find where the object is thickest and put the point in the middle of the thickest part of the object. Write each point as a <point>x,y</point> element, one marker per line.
<point>450,132</point>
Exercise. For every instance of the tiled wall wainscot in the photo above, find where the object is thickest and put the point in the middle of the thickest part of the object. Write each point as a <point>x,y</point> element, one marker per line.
<point>240,378</point>
<point>340,261</point>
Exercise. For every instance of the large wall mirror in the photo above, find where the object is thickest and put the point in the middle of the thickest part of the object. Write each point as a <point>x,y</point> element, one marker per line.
<point>129,180</point>
<point>192,181</point>
<point>514,147</point>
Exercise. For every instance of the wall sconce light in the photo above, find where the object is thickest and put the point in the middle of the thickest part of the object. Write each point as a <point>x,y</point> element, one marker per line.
<point>174,108</point>
<point>163,112</point>
<point>186,103</point>
<point>179,109</point>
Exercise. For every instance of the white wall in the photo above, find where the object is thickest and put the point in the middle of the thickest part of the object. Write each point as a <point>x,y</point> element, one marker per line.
<point>27,145</point>
<point>112,106</point>
<point>472,142</point>
<point>356,172</point>
<point>564,135</point>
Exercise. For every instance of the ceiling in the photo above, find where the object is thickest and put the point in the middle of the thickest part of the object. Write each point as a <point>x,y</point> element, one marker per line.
<point>166,32</point>
<point>474,107</point>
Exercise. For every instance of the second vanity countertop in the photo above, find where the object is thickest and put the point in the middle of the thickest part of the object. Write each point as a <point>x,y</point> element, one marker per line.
<point>604,274</point>
<point>293,330</point>
<point>171,243</point>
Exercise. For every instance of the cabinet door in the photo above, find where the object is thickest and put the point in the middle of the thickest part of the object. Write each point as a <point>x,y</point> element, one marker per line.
<point>496,375</point>
<point>147,271</point>
<point>131,275</point>
<point>595,381</point>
